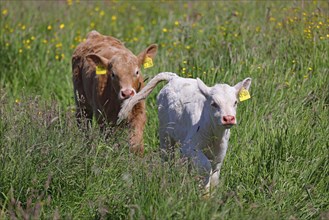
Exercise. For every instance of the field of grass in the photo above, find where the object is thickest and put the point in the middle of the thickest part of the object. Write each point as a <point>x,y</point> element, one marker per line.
<point>277,165</point>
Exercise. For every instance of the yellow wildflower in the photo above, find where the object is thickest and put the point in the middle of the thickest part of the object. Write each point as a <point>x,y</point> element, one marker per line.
<point>32,38</point>
<point>176,23</point>
<point>69,2</point>
<point>59,45</point>
<point>114,18</point>
<point>44,41</point>
<point>101,13</point>
<point>49,27</point>
<point>5,11</point>
<point>164,30</point>
<point>23,27</point>
<point>61,26</point>
<point>20,50</point>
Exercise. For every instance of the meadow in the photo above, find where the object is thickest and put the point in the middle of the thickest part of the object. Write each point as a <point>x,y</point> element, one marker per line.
<point>277,164</point>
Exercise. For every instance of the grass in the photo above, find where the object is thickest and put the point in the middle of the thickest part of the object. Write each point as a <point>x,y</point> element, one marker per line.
<point>277,163</point>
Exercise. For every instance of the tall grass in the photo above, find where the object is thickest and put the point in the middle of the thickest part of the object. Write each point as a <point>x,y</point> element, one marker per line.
<point>277,163</point>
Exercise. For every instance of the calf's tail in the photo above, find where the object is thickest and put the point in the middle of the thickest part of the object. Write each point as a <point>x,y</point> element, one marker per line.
<point>128,104</point>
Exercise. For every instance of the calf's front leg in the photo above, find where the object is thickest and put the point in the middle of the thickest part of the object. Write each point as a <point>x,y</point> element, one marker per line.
<point>217,163</point>
<point>137,120</point>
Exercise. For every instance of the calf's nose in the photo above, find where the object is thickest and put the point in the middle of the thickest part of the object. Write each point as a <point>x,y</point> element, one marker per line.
<point>228,120</point>
<point>127,93</point>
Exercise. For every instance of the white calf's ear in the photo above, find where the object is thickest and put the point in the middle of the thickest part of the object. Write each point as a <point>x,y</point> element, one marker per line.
<point>203,87</point>
<point>243,84</point>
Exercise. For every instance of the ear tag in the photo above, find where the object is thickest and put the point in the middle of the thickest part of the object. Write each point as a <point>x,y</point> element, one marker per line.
<point>244,95</point>
<point>100,70</point>
<point>148,62</point>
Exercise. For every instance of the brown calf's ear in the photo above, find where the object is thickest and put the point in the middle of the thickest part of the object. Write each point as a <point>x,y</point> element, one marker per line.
<point>96,60</point>
<point>150,52</point>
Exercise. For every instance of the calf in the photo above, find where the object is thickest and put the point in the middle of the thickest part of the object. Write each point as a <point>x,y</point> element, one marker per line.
<point>199,118</point>
<point>105,73</point>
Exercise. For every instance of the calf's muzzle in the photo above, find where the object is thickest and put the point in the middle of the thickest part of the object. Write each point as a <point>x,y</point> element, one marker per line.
<point>228,120</point>
<point>127,93</point>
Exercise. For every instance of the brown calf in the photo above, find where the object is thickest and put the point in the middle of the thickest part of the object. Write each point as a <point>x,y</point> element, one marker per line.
<point>120,78</point>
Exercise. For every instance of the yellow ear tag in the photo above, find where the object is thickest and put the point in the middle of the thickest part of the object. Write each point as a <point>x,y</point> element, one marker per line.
<point>100,70</point>
<point>244,95</point>
<point>148,62</point>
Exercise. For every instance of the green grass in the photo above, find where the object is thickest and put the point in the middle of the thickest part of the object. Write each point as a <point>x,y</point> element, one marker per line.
<point>277,163</point>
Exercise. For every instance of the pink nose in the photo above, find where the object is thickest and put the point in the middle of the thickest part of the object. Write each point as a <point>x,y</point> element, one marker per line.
<point>228,120</point>
<point>127,93</point>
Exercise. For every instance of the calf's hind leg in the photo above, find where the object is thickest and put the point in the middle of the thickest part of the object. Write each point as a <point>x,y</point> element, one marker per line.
<point>199,161</point>
<point>84,113</point>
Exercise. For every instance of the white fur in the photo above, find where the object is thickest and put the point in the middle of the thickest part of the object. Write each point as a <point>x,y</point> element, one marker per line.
<point>129,103</point>
<point>190,114</point>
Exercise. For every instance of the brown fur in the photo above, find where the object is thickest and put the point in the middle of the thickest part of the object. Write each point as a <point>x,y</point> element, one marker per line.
<point>98,95</point>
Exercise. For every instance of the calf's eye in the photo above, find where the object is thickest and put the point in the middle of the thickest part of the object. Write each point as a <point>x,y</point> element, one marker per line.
<point>214,104</point>
<point>137,73</point>
<point>235,103</point>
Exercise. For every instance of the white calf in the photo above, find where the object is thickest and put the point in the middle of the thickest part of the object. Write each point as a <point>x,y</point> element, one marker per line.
<point>199,118</point>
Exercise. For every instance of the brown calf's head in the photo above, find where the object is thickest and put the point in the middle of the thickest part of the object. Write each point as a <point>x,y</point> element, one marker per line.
<point>123,69</point>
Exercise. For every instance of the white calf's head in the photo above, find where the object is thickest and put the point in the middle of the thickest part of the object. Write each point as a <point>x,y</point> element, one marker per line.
<point>222,101</point>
